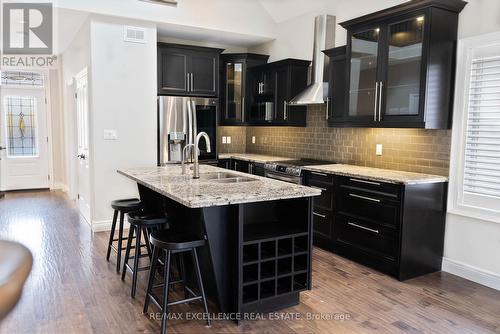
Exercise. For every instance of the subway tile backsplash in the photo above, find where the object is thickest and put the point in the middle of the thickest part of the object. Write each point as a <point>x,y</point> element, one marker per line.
<point>415,150</point>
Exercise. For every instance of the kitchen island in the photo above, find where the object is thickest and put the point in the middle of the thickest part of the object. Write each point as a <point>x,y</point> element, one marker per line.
<point>258,231</point>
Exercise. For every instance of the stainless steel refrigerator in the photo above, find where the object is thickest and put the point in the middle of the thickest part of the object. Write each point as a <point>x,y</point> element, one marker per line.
<point>179,121</point>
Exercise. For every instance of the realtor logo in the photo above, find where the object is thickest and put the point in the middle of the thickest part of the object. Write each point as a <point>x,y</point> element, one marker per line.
<point>27,28</point>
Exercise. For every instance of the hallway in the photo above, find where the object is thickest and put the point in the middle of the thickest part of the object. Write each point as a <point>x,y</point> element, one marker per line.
<point>72,289</point>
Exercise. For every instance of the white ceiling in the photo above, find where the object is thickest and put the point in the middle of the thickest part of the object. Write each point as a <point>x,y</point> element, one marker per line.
<point>283,10</point>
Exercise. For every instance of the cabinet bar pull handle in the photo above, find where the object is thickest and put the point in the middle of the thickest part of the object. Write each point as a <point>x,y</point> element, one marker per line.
<point>192,80</point>
<point>285,109</point>
<point>364,181</point>
<point>322,189</point>
<point>320,174</point>
<point>380,101</point>
<point>243,109</point>
<point>319,215</point>
<point>363,227</point>
<point>188,85</point>
<point>376,100</point>
<point>364,197</point>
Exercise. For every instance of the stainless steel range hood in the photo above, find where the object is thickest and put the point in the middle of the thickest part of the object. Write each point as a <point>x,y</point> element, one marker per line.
<point>324,38</point>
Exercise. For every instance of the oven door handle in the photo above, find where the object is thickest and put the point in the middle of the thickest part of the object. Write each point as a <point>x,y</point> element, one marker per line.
<point>291,179</point>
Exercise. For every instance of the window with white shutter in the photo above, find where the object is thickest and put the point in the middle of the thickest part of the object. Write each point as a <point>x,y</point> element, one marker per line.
<point>475,159</point>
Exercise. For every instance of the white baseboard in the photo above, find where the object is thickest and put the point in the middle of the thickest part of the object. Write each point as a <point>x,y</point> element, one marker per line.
<point>60,186</point>
<point>105,225</point>
<point>471,273</point>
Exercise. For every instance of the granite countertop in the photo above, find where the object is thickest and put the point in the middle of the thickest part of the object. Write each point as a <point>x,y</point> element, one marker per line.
<point>199,193</point>
<point>378,174</point>
<point>252,157</point>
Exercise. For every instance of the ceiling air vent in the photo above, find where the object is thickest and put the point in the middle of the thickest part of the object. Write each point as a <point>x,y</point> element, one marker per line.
<point>134,34</point>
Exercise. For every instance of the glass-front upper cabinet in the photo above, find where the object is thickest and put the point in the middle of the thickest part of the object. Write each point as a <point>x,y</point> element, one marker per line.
<point>364,46</point>
<point>234,102</point>
<point>404,66</point>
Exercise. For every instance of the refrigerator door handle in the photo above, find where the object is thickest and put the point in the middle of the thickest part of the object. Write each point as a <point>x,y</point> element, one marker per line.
<point>189,139</point>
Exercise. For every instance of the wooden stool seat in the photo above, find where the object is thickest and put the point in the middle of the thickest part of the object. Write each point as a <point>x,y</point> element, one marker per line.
<point>126,205</point>
<point>167,240</point>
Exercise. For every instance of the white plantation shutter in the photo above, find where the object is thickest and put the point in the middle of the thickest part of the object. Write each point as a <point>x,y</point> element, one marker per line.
<point>482,144</point>
<point>474,188</point>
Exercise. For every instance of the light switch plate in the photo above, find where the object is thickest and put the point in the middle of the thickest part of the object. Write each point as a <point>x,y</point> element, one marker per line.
<point>229,139</point>
<point>224,140</point>
<point>378,149</point>
<point>253,139</point>
<point>110,134</point>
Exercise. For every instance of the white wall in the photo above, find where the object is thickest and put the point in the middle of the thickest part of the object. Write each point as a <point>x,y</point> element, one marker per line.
<point>123,91</point>
<point>57,126</point>
<point>74,59</point>
<point>472,247</point>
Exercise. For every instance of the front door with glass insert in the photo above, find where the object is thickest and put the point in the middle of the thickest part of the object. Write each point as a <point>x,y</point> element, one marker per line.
<point>23,132</point>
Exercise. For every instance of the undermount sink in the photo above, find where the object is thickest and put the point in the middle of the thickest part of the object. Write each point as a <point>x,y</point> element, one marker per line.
<point>223,177</point>
<point>238,179</point>
<point>217,176</point>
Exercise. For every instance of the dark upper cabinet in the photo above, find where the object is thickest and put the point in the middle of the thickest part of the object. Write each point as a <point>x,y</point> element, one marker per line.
<point>336,101</point>
<point>273,86</point>
<point>400,67</point>
<point>237,86</point>
<point>188,70</point>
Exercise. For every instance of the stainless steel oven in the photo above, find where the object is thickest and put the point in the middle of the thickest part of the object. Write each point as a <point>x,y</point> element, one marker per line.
<point>284,177</point>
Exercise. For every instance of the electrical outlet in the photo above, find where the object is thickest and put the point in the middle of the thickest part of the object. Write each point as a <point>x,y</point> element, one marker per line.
<point>224,140</point>
<point>378,149</point>
<point>253,139</point>
<point>110,134</point>
<point>229,139</point>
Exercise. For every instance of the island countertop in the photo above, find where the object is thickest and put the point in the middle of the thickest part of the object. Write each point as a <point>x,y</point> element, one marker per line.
<point>199,193</point>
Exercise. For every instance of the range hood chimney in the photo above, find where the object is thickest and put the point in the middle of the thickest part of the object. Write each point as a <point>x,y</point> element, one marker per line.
<point>324,38</point>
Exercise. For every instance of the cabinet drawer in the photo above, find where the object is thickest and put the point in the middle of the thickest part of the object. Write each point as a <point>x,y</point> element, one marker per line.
<point>366,236</point>
<point>317,177</point>
<point>369,206</point>
<point>325,200</point>
<point>389,190</point>
<point>322,223</point>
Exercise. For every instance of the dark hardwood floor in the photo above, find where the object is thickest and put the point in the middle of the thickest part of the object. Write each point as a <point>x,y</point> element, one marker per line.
<point>73,289</point>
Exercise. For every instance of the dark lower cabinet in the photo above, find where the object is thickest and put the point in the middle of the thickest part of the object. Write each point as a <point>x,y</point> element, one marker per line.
<point>397,229</point>
<point>188,70</point>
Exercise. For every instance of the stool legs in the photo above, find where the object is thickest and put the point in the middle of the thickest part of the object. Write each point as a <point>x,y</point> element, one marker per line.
<point>200,283</point>
<point>165,293</point>
<point>112,235</point>
<point>151,279</point>
<point>119,248</point>
<point>127,251</point>
<point>137,257</point>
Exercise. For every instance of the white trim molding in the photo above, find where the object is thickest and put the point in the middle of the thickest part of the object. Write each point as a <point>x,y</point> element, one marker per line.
<point>463,203</point>
<point>471,273</point>
<point>105,225</point>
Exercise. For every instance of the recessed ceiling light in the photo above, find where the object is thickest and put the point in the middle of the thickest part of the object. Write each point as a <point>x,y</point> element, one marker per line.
<point>420,19</point>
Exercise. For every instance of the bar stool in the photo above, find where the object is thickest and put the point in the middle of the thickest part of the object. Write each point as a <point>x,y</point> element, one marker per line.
<point>171,243</point>
<point>144,223</point>
<point>121,206</point>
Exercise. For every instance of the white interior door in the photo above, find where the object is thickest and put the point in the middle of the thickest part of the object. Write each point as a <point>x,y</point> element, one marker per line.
<point>83,163</point>
<point>23,134</point>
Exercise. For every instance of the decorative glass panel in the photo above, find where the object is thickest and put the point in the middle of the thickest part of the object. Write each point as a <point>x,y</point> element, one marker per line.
<point>20,126</point>
<point>405,59</point>
<point>26,79</point>
<point>364,57</point>
<point>234,102</point>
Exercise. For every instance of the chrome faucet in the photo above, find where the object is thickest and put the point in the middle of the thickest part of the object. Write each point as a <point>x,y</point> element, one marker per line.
<point>184,158</point>
<point>196,173</point>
